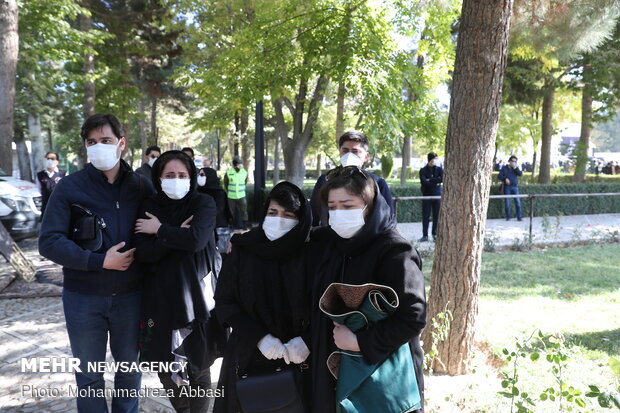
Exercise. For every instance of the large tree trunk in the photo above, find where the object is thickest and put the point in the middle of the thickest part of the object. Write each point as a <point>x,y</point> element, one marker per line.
<point>23,158</point>
<point>583,146</point>
<point>247,145</point>
<point>237,135</point>
<point>89,84</point>
<point>9,45</point>
<point>295,149</point>
<point>154,132</point>
<point>142,125</point>
<point>276,161</point>
<point>294,164</point>
<point>37,143</point>
<point>340,111</point>
<point>406,160</point>
<point>472,126</point>
<point>544,176</point>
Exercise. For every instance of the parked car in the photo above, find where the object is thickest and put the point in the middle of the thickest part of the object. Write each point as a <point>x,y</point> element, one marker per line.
<point>20,206</point>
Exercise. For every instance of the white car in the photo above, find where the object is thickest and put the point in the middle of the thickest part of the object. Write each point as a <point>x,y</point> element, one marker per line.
<point>20,206</point>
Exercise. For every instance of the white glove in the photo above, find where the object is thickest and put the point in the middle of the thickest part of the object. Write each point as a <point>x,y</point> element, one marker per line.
<point>272,348</point>
<point>297,350</point>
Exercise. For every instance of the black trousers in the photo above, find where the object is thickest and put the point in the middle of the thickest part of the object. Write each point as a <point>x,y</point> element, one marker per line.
<point>182,403</point>
<point>427,206</point>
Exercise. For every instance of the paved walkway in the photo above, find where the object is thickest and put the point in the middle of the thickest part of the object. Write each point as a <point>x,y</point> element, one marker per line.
<point>34,327</point>
<point>545,231</point>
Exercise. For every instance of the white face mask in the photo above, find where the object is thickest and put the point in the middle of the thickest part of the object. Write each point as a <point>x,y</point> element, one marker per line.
<point>202,180</point>
<point>103,156</point>
<point>152,161</point>
<point>175,188</point>
<point>346,222</point>
<point>350,158</point>
<point>49,164</point>
<point>277,227</point>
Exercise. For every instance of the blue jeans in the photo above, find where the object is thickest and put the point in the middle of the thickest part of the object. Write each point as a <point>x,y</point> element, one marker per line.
<point>89,319</point>
<point>512,190</point>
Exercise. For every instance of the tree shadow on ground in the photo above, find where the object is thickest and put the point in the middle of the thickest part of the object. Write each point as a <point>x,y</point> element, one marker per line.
<point>607,341</point>
<point>562,273</point>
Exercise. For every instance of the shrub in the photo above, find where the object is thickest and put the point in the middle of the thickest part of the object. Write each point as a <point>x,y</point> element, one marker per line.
<point>411,210</point>
<point>387,164</point>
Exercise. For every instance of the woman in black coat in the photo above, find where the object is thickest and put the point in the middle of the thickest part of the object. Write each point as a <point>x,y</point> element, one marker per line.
<point>360,246</point>
<point>262,294</point>
<point>174,239</point>
<point>209,184</point>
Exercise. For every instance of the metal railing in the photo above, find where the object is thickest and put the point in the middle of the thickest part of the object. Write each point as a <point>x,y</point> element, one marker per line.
<point>530,198</point>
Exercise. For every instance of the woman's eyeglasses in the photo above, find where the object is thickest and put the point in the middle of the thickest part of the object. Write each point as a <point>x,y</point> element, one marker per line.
<point>340,171</point>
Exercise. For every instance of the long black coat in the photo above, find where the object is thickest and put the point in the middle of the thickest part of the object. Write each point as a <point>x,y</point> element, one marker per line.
<point>176,260</point>
<point>377,254</point>
<point>262,289</point>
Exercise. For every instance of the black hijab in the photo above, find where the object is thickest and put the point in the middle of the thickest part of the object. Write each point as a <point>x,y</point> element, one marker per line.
<point>275,292</point>
<point>176,210</point>
<point>213,182</point>
<point>379,221</point>
<point>256,241</point>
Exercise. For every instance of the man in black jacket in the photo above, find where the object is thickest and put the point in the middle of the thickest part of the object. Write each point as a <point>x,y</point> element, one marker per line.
<point>150,156</point>
<point>431,177</point>
<point>509,176</point>
<point>101,292</point>
<point>353,147</point>
<point>49,177</point>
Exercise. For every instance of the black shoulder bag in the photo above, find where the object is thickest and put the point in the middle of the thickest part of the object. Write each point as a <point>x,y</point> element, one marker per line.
<point>275,392</point>
<point>86,228</point>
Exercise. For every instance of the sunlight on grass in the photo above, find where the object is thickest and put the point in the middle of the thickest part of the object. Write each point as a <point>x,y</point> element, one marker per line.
<point>570,291</point>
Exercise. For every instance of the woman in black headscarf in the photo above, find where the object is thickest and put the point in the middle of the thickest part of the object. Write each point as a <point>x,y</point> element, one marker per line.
<point>262,294</point>
<point>209,184</point>
<point>174,239</point>
<point>362,245</point>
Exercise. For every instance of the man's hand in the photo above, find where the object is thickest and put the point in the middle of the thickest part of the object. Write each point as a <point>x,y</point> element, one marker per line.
<point>148,226</point>
<point>507,181</point>
<point>344,338</point>
<point>119,261</point>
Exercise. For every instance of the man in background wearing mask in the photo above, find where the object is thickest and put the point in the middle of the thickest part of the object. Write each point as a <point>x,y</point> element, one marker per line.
<point>101,288</point>
<point>509,176</point>
<point>431,177</point>
<point>49,177</point>
<point>353,147</point>
<point>150,156</point>
<point>235,181</point>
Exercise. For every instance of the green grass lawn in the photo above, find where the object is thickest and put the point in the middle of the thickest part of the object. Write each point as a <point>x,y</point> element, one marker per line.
<point>570,291</point>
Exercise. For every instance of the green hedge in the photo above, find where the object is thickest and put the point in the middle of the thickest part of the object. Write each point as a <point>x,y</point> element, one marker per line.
<point>411,210</point>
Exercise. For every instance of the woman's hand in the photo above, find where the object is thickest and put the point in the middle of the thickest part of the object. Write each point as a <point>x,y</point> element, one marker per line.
<point>186,223</point>
<point>344,338</point>
<point>148,226</point>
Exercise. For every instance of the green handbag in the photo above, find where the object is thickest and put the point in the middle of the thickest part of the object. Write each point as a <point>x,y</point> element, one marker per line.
<point>388,387</point>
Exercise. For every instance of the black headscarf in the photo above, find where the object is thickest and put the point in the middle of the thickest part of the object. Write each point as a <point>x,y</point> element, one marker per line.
<point>379,220</point>
<point>275,292</point>
<point>256,241</point>
<point>176,210</point>
<point>213,182</point>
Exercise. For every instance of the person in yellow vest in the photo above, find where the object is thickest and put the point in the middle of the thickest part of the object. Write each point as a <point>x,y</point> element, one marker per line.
<point>235,180</point>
